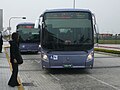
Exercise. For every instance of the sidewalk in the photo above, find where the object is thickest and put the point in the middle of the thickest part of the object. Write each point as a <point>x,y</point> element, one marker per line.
<point>5,72</point>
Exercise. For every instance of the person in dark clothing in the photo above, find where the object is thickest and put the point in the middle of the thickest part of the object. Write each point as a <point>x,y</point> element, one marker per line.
<point>14,55</point>
<point>1,42</point>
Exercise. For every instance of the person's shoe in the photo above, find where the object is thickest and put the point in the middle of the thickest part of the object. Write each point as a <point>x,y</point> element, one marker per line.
<point>18,84</point>
<point>11,85</point>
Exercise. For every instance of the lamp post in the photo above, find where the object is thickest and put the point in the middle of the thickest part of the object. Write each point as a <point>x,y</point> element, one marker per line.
<point>74,4</point>
<point>9,28</point>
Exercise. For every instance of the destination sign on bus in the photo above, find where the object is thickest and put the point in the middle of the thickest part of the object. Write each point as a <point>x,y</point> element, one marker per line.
<point>65,15</point>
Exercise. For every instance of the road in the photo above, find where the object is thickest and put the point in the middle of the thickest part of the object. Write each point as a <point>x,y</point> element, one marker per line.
<point>104,76</point>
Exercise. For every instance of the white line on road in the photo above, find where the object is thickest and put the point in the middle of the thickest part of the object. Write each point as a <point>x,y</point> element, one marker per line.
<point>38,61</point>
<point>44,76</point>
<point>55,77</point>
<point>103,82</point>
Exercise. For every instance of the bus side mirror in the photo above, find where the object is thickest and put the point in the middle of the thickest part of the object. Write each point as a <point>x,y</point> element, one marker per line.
<point>96,30</point>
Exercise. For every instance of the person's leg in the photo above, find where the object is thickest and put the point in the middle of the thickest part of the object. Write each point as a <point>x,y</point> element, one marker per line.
<point>13,80</point>
<point>0,48</point>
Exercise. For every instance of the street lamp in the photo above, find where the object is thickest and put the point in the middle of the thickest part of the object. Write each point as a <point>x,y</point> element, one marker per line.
<point>9,28</point>
<point>74,4</point>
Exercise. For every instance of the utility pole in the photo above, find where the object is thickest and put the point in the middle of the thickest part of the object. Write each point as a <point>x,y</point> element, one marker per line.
<point>1,20</point>
<point>74,4</point>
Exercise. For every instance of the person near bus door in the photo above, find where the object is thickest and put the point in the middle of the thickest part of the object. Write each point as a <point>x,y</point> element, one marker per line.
<point>15,56</point>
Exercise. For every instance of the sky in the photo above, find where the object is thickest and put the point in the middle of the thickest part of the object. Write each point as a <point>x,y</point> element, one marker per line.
<point>106,11</point>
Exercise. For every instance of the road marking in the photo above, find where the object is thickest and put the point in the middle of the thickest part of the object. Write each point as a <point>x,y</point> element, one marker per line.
<point>103,82</point>
<point>37,61</point>
<point>54,77</point>
<point>8,58</point>
<point>44,76</point>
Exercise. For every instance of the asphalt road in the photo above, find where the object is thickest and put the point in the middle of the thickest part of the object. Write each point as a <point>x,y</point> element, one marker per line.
<point>104,76</point>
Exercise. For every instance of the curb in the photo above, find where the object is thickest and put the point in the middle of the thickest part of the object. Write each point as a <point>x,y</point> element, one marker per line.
<point>103,51</point>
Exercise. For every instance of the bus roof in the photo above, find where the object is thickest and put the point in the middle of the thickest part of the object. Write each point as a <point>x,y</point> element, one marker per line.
<point>60,10</point>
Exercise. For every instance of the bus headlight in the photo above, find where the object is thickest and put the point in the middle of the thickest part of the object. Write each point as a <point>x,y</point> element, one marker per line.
<point>39,46</point>
<point>44,57</point>
<point>90,56</point>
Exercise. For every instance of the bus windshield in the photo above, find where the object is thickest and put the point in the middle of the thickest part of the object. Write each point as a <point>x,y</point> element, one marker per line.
<point>28,35</point>
<point>69,31</point>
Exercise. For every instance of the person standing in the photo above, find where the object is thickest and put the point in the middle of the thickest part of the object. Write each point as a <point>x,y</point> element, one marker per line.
<point>1,42</point>
<point>15,56</point>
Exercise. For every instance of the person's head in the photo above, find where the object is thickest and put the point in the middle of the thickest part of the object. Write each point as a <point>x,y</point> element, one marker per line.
<point>15,37</point>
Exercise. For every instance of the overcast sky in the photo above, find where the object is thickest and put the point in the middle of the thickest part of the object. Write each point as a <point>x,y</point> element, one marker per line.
<point>107,11</point>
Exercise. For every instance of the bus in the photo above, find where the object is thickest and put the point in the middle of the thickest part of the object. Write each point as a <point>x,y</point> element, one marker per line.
<point>29,37</point>
<point>67,38</point>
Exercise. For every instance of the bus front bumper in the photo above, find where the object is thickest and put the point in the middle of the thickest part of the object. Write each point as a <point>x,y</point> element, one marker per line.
<point>87,65</point>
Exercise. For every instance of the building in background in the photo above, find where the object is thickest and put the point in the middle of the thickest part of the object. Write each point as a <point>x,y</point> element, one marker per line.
<point>105,35</point>
<point>1,20</point>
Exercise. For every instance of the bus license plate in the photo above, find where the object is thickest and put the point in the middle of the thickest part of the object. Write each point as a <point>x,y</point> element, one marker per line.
<point>67,66</point>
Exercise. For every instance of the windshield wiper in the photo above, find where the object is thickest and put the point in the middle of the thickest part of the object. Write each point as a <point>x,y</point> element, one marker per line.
<point>85,50</point>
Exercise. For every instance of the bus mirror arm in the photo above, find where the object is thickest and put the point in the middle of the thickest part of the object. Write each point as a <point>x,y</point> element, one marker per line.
<point>95,25</point>
<point>44,26</point>
<point>94,18</point>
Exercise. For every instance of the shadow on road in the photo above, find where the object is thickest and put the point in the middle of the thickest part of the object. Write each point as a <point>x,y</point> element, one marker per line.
<point>67,71</point>
<point>77,71</point>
